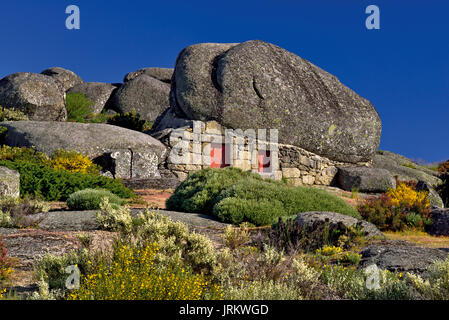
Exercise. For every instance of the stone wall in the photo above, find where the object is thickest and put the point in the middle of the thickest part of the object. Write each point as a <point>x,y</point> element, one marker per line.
<point>190,150</point>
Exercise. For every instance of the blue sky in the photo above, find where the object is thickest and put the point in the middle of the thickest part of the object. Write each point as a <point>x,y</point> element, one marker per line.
<point>403,68</point>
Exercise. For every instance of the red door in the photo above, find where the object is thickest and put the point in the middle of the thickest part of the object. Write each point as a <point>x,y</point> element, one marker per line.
<point>218,156</point>
<point>264,160</point>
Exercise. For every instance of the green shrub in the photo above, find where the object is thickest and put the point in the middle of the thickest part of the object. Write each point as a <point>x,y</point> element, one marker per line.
<point>258,212</point>
<point>235,237</point>
<point>236,196</point>
<point>78,106</point>
<point>113,218</point>
<point>130,120</point>
<point>58,185</point>
<point>20,213</point>
<point>350,283</point>
<point>51,268</point>
<point>264,290</point>
<point>101,117</point>
<point>12,114</point>
<point>199,191</point>
<point>90,199</point>
<point>62,160</point>
<point>261,202</point>
<point>176,242</point>
<point>23,154</point>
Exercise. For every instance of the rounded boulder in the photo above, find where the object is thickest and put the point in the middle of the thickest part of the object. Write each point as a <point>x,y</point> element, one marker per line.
<point>40,97</point>
<point>257,85</point>
<point>68,78</point>
<point>145,95</point>
<point>161,74</point>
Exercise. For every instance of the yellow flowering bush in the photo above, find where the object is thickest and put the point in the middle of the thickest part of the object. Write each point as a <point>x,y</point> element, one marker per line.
<point>329,251</point>
<point>2,292</point>
<point>23,154</point>
<point>73,161</point>
<point>337,255</point>
<point>406,195</point>
<point>350,257</point>
<point>132,274</point>
<point>62,160</point>
<point>398,209</point>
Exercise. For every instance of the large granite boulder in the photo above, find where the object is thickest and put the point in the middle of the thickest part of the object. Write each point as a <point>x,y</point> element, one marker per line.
<point>398,256</point>
<point>99,93</point>
<point>124,153</point>
<point>143,94</point>
<point>9,183</point>
<point>440,222</point>
<point>365,179</point>
<point>259,85</point>
<point>40,97</point>
<point>161,74</point>
<point>68,78</point>
<point>406,170</point>
<point>337,221</point>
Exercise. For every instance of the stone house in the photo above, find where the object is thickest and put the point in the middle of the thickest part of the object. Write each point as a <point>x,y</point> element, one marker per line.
<point>198,145</point>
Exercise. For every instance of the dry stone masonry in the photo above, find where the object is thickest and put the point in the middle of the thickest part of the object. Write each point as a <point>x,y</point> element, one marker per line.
<point>296,165</point>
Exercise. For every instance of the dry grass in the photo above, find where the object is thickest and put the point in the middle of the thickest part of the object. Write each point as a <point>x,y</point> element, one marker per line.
<point>419,238</point>
<point>152,198</point>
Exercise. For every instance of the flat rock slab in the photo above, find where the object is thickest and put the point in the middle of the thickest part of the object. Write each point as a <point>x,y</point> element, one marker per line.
<point>27,245</point>
<point>400,256</point>
<point>69,220</point>
<point>91,139</point>
<point>122,152</point>
<point>194,219</point>
<point>86,220</point>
